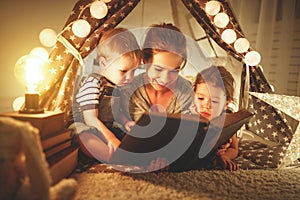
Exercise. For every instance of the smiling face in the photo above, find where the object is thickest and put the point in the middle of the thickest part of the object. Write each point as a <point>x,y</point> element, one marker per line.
<point>210,101</point>
<point>162,71</point>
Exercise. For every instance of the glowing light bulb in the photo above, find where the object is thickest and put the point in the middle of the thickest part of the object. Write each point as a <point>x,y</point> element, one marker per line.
<point>106,1</point>
<point>252,58</point>
<point>221,20</point>
<point>228,36</point>
<point>98,9</point>
<point>241,45</point>
<point>47,37</point>
<point>81,28</point>
<point>212,8</point>
<point>29,70</point>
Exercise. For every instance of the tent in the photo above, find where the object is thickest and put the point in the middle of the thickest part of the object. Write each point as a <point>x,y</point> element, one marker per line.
<point>70,50</point>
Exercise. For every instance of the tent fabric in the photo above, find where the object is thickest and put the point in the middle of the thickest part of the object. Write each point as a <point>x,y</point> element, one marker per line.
<point>66,57</point>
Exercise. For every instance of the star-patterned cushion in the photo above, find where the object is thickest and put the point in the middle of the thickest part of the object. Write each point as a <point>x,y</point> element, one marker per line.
<point>253,155</point>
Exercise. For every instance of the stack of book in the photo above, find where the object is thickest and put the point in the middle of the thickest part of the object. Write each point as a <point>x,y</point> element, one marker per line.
<point>57,143</point>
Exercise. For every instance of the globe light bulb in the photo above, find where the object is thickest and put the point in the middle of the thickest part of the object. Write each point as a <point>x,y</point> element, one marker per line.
<point>81,28</point>
<point>241,45</point>
<point>221,20</point>
<point>252,58</point>
<point>212,8</point>
<point>48,37</point>
<point>106,1</point>
<point>228,36</point>
<point>98,9</point>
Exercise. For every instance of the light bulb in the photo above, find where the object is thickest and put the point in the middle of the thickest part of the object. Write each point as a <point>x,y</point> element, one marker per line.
<point>81,28</point>
<point>241,45</point>
<point>252,58</point>
<point>106,1</point>
<point>29,71</point>
<point>41,52</point>
<point>47,37</point>
<point>212,8</point>
<point>98,9</point>
<point>228,36</point>
<point>221,20</point>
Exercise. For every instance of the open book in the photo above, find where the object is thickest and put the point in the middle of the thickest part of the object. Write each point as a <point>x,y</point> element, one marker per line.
<point>185,141</point>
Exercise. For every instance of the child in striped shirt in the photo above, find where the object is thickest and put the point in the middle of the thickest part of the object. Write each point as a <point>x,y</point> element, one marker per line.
<point>97,100</point>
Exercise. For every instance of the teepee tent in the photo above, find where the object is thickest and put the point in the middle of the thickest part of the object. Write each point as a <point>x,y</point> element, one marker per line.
<point>72,46</point>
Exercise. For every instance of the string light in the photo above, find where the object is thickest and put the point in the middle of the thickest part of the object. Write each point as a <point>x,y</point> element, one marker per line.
<point>81,28</point>
<point>221,20</point>
<point>212,7</point>
<point>241,45</point>
<point>47,37</point>
<point>98,9</point>
<point>252,58</point>
<point>229,36</point>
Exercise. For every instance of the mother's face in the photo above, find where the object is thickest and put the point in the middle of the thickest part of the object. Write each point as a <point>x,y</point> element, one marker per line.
<point>162,72</point>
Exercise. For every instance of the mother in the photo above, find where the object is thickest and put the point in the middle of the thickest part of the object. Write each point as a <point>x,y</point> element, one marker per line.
<point>160,88</point>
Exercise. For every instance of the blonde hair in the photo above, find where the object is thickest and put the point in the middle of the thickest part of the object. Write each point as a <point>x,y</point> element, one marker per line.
<point>118,42</point>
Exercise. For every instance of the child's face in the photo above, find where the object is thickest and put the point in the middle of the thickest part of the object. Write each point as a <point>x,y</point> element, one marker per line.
<point>210,101</point>
<point>121,70</point>
<point>163,71</point>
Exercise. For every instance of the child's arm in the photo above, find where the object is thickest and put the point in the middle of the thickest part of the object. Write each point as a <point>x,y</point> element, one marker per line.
<point>225,156</point>
<point>91,119</point>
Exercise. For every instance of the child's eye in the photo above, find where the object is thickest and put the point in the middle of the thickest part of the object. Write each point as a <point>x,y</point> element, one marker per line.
<point>124,71</point>
<point>216,102</point>
<point>158,69</point>
<point>200,98</point>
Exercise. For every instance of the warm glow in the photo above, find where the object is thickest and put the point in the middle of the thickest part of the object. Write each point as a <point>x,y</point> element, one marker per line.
<point>47,37</point>
<point>221,20</point>
<point>98,9</point>
<point>241,45</point>
<point>228,36</point>
<point>252,58</point>
<point>106,1</point>
<point>29,71</point>
<point>212,8</point>
<point>81,28</point>
<point>41,52</point>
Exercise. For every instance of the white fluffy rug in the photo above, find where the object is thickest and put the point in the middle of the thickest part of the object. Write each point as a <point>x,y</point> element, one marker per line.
<point>100,182</point>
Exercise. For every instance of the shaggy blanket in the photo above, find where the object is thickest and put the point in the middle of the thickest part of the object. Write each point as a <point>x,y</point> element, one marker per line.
<point>102,182</point>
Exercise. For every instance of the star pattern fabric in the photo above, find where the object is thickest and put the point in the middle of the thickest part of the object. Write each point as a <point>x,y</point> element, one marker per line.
<point>269,123</point>
<point>289,105</point>
<point>64,60</point>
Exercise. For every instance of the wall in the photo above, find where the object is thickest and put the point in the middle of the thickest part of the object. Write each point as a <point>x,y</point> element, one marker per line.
<point>21,22</point>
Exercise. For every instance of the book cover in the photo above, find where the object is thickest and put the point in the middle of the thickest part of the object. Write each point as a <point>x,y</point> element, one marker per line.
<point>186,141</point>
<point>62,164</point>
<point>58,147</point>
<point>53,139</point>
<point>47,122</point>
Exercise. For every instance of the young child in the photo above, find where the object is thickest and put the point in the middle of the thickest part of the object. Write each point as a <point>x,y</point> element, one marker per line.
<point>119,55</point>
<point>214,89</point>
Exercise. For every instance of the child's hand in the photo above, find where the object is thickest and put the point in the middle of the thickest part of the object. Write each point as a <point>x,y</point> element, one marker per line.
<point>128,125</point>
<point>227,163</point>
<point>224,148</point>
<point>159,164</point>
